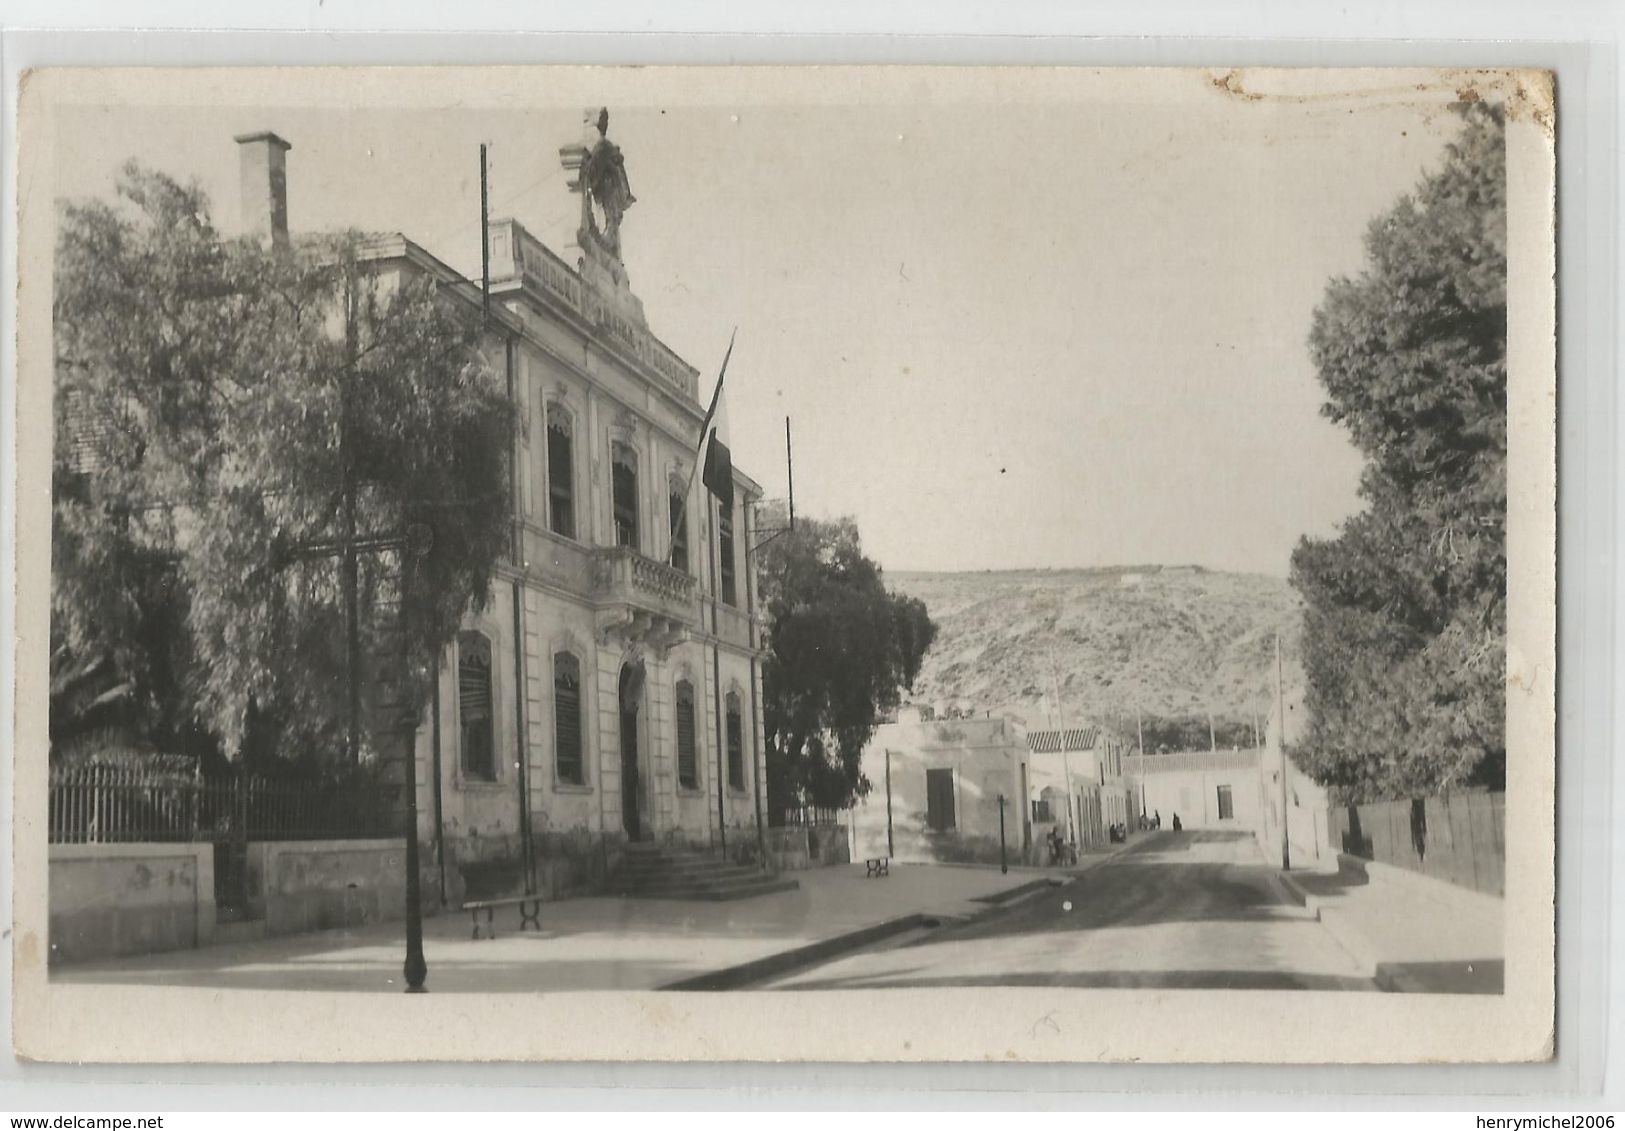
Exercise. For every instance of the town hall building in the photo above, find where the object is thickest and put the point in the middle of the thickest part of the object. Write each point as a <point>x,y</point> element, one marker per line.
<point>610,692</point>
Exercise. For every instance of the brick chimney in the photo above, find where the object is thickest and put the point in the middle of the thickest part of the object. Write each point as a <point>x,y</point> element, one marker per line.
<point>264,164</point>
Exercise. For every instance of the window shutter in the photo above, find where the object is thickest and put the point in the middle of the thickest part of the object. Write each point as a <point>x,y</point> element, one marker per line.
<point>725,549</point>
<point>475,715</point>
<point>687,759</point>
<point>736,744</point>
<point>679,531</point>
<point>567,719</point>
<point>623,475</point>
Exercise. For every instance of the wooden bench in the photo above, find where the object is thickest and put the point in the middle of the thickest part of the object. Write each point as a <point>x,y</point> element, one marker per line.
<point>530,912</point>
<point>879,866</point>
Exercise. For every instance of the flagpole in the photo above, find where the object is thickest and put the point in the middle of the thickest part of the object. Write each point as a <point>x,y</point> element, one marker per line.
<point>711,536</point>
<point>705,431</point>
<point>716,683</point>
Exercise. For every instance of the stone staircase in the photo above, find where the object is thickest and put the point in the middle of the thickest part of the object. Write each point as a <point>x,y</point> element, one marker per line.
<point>654,871</point>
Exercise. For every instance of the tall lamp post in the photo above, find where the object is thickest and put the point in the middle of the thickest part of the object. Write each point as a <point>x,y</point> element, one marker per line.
<point>416,969</point>
<point>413,543</point>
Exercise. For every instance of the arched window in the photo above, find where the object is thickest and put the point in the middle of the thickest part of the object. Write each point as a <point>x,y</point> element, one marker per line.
<point>624,492</point>
<point>688,761</point>
<point>561,483</point>
<point>736,743</point>
<point>679,529</point>
<point>475,712</point>
<point>567,744</point>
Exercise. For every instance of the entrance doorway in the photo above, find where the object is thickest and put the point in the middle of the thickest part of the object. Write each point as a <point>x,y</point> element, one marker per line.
<point>631,699</point>
<point>939,800</point>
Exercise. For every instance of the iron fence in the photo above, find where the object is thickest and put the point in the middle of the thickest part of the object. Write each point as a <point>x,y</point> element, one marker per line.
<point>105,804</point>
<point>803,816</point>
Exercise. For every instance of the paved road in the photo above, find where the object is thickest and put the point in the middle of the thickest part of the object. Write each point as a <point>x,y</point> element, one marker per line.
<point>1192,910</point>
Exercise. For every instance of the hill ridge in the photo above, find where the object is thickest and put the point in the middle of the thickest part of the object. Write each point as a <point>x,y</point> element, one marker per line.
<point>1121,642</point>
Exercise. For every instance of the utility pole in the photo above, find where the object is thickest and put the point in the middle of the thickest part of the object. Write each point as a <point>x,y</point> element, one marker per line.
<point>1066,756</point>
<point>891,849</point>
<point>790,471</point>
<point>1280,740</point>
<point>1004,863</point>
<point>758,756</point>
<point>350,567</point>
<point>485,240</point>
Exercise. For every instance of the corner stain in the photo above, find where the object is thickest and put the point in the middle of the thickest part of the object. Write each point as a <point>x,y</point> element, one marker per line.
<point>1230,83</point>
<point>27,950</point>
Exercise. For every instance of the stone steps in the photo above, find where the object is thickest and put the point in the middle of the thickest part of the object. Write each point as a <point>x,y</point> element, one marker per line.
<point>657,872</point>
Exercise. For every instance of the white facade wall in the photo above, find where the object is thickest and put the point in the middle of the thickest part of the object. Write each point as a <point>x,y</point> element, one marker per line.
<point>563,368</point>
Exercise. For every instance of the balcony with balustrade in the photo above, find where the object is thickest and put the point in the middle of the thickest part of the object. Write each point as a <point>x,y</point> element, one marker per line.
<point>641,600</point>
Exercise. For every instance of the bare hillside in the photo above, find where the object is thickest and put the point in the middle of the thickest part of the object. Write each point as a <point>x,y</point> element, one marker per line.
<point>1166,642</point>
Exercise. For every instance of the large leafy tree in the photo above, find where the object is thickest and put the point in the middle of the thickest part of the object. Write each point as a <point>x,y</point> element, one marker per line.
<point>1405,619</point>
<point>228,416</point>
<point>841,650</point>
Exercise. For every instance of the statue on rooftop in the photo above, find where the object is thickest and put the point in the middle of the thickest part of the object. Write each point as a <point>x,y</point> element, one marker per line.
<point>604,185</point>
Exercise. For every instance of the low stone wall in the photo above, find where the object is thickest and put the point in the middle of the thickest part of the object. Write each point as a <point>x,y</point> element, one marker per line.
<point>828,844</point>
<point>315,885</point>
<point>799,847</point>
<point>115,899</point>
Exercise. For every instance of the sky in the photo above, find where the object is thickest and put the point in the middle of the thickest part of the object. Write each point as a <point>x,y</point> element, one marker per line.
<point>1045,326</point>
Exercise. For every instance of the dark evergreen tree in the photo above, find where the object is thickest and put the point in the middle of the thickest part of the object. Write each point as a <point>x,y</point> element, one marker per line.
<point>841,651</point>
<point>1405,625</point>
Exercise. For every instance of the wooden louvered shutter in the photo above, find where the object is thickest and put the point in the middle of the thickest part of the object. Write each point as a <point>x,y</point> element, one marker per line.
<point>475,714</point>
<point>687,757</point>
<point>567,718</point>
<point>561,479</point>
<point>736,744</point>
<point>623,475</point>
<point>679,531</point>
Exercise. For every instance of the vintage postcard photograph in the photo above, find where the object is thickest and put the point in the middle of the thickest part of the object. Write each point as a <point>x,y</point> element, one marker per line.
<point>786,564</point>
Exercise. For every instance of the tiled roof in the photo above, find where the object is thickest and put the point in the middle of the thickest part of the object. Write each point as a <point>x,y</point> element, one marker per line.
<point>1191,760</point>
<point>1056,741</point>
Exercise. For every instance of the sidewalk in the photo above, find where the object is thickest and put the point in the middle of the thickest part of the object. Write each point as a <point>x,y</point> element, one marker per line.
<point>1413,934</point>
<point>598,943</point>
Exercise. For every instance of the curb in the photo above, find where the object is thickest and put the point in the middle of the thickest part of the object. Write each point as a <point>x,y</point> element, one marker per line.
<point>785,961</point>
<point>1350,940</point>
<point>1020,893</point>
<point>1296,895</point>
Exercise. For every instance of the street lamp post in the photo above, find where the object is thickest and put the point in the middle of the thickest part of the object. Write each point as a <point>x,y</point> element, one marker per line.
<point>416,968</point>
<point>414,542</point>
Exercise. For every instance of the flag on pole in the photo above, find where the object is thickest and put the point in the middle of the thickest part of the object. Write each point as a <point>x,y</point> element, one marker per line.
<point>716,459</point>
<point>703,456</point>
